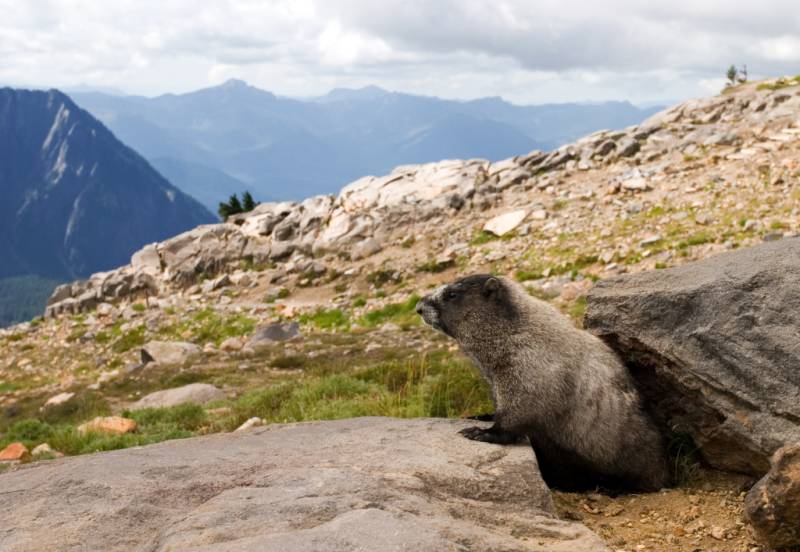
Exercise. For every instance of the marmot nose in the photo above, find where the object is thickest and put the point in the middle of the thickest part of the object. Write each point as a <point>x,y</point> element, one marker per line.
<point>420,306</point>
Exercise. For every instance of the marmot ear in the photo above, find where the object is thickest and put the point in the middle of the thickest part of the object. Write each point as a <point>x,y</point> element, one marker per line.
<point>491,286</point>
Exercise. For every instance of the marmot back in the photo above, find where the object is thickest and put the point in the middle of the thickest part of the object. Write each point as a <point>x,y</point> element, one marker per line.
<point>561,387</point>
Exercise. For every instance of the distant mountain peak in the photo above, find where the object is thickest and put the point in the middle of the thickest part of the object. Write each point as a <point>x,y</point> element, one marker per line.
<point>235,83</point>
<point>370,92</point>
<point>75,199</point>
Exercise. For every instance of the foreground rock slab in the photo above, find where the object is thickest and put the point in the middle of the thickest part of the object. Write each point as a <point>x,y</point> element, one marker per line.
<point>714,347</point>
<point>357,484</point>
<point>772,506</point>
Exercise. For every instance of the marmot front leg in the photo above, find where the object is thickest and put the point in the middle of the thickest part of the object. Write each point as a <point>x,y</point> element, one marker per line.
<point>482,417</point>
<point>497,433</point>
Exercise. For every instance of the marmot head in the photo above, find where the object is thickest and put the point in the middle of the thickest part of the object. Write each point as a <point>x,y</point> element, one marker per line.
<point>468,306</point>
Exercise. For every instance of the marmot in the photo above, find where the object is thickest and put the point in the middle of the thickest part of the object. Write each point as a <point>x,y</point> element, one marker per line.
<point>562,387</point>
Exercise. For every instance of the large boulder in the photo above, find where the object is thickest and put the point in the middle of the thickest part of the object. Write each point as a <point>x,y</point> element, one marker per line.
<point>715,348</point>
<point>357,484</point>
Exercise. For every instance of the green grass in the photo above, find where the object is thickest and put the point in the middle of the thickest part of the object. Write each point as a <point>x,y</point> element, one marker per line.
<point>327,319</point>
<point>154,425</point>
<point>402,314</point>
<point>438,385</point>
<point>434,267</point>
<point>380,278</point>
<point>696,239</point>
<point>209,326</point>
<point>780,83</point>
<point>482,237</point>
<point>129,340</point>
<point>523,275</point>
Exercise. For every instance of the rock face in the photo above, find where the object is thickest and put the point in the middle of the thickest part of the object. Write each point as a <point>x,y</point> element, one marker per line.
<point>358,484</point>
<point>714,348</point>
<point>772,506</point>
<point>198,393</point>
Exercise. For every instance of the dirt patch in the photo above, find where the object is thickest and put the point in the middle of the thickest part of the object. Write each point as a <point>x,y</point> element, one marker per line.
<point>704,514</point>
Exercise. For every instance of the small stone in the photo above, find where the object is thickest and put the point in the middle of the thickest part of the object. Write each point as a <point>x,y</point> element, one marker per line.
<point>718,532</point>
<point>198,393</point>
<point>703,219</point>
<point>114,425</point>
<point>628,147</point>
<point>231,344</point>
<point>169,352</point>
<point>505,223</point>
<point>14,453</point>
<point>274,333</point>
<point>45,448</point>
<point>365,248</point>
<point>650,240</point>
<point>105,309</point>
<point>57,400</point>
<point>255,421</point>
<point>636,184</point>
<point>750,225</point>
<point>539,214</point>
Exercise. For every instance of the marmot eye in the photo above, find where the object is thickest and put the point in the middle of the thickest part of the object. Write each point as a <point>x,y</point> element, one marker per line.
<point>450,294</point>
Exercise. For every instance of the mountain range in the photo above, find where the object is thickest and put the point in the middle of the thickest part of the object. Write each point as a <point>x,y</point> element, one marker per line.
<point>76,200</point>
<point>235,137</point>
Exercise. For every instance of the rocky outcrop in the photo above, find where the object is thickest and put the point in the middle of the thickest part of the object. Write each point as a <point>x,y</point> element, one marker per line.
<point>714,348</point>
<point>359,484</point>
<point>772,506</point>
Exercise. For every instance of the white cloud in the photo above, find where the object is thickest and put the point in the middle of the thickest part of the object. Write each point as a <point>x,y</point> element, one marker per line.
<point>526,51</point>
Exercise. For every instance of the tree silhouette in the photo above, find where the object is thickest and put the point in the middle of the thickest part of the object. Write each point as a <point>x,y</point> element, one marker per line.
<point>732,74</point>
<point>248,203</point>
<point>233,206</point>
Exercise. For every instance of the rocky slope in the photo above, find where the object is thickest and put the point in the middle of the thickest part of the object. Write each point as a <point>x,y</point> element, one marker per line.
<point>703,176</point>
<point>698,179</point>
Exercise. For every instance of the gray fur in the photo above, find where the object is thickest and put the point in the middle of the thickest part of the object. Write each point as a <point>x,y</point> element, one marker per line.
<point>560,386</point>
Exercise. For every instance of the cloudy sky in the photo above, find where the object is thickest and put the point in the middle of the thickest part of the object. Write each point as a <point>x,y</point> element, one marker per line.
<point>527,51</point>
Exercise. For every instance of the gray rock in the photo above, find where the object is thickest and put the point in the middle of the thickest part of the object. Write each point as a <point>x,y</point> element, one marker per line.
<point>605,148</point>
<point>772,507</point>
<point>170,352</point>
<point>146,260</point>
<point>281,250</point>
<point>365,248</point>
<point>628,147</point>
<point>714,347</point>
<point>505,223</point>
<point>215,284</point>
<point>359,484</point>
<point>272,333</point>
<point>198,393</point>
